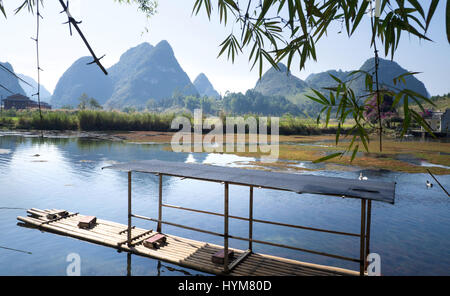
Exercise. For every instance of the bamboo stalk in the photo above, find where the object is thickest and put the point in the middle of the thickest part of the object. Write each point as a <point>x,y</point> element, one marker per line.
<point>250,218</point>
<point>262,221</point>
<point>361,243</point>
<point>438,182</point>
<point>369,218</point>
<point>225,239</point>
<point>129,209</point>
<point>158,229</point>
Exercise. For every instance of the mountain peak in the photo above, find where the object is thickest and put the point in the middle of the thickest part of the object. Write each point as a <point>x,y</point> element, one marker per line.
<point>146,72</point>
<point>81,78</point>
<point>9,81</point>
<point>279,82</point>
<point>163,43</point>
<point>204,86</point>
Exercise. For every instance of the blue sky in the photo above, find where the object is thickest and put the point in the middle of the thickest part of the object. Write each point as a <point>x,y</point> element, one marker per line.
<point>112,28</point>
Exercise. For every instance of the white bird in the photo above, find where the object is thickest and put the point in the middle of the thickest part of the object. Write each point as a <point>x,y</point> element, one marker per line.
<point>361,177</point>
<point>429,185</point>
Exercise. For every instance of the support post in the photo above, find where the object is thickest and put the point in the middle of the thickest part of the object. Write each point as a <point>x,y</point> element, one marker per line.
<point>250,217</point>
<point>225,237</point>
<point>128,264</point>
<point>158,228</point>
<point>362,260</point>
<point>369,216</point>
<point>129,210</point>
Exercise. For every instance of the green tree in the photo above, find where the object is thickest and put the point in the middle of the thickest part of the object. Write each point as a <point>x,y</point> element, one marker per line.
<point>93,104</point>
<point>278,30</point>
<point>84,101</point>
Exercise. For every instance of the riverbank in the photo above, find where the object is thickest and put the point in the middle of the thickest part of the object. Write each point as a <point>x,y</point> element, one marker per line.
<point>411,156</point>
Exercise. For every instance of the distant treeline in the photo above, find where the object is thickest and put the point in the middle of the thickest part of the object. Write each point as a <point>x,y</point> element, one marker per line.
<point>251,102</point>
<point>99,120</point>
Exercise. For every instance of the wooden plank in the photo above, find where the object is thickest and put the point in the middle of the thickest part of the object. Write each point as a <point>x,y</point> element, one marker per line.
<point>182,251</point>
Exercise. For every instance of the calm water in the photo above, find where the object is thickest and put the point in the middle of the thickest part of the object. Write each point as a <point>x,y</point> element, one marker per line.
<point>412,236</point>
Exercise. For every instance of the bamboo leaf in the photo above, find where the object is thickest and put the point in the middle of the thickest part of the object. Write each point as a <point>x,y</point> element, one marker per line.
<point>447,20</point>
<point>328,157</point>
<point>431,11</point>
<point>361,12</point>
<point>355,150</point>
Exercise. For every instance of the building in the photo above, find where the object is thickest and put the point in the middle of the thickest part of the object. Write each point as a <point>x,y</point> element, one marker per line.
<point>19,101</point>
<point>438,121</point>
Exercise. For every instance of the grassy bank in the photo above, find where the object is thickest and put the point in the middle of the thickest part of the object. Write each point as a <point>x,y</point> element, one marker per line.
<point>93,120</point>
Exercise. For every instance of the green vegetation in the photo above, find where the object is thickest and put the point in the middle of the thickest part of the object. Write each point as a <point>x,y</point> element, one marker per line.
<point>99,120</point>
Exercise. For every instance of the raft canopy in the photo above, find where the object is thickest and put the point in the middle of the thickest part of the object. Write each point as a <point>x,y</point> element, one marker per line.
<point>299,183</point>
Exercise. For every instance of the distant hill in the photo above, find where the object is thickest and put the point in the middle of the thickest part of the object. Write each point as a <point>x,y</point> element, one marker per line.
<point>146,72</point>
<point>9,81</point>
<point>30,91</point>
<point>204,87</point>
<point>323,79</point>
<point>82,78</point>
<point>388,70</point>
<point>280,83</point>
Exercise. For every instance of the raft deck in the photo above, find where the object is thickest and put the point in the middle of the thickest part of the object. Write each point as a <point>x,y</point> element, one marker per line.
<point>177,250</point>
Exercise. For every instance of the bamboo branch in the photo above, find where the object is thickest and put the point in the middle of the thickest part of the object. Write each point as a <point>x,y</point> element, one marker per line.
<point>73,22</point>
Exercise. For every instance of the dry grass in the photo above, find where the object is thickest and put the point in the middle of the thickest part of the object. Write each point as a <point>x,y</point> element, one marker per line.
<point>314,147</point>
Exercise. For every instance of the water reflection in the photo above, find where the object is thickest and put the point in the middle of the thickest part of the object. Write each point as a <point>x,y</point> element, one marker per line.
<point>411,236</point>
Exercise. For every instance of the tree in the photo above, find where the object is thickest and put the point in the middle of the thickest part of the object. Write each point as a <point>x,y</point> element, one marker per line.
<point>387,110</point>
<point>88,103</point>
<point>84,101</point>
<point>276,30</point>
<point>148,7</point>
<point>93,104</point>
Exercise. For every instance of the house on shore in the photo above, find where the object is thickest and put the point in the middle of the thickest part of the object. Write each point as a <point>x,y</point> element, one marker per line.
<point>438,121</point>
<point>20,102</point>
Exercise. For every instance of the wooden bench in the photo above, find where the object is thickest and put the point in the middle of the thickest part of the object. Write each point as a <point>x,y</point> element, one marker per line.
<point>219,257</point>
<point>87,222</point>
<point>155,241</point>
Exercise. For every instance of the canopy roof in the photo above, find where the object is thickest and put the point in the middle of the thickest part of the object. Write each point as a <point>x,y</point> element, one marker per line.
<point>371,190</point>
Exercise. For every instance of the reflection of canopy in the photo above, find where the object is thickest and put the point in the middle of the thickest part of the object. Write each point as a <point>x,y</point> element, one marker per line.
<point>370,190</point>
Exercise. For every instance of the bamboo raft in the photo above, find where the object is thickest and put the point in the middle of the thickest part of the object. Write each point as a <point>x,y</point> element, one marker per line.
<point>180,251</point>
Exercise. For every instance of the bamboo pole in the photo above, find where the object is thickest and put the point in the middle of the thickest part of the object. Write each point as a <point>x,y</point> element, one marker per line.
<point>129,209</point>
<point>128,264</point>
<point>438,182</point>
<point>158,229</point>
<point>262,221</point>
<point>225,240</point>
<point>361,243</point>
<point>369,217</point>
<point>250,224</point>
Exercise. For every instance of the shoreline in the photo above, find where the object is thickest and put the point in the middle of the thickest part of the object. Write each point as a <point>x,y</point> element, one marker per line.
<point>397,156</point>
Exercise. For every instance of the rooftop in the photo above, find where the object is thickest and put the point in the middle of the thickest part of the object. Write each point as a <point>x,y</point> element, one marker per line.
<point>299,183</point>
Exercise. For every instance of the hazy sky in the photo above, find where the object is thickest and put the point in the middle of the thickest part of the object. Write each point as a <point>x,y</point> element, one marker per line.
<point>112,28</point>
